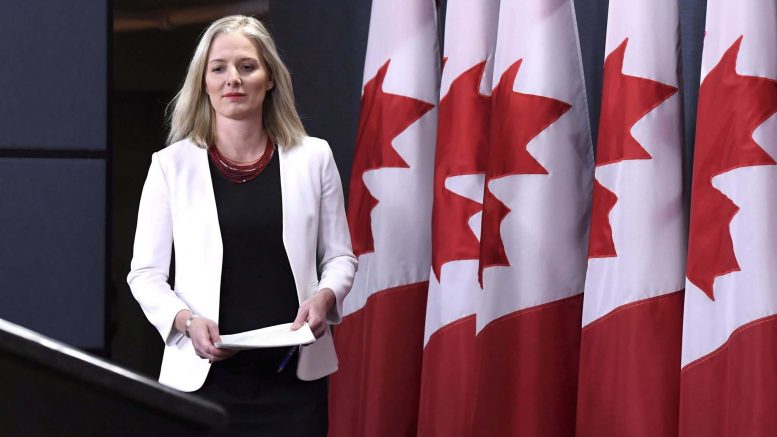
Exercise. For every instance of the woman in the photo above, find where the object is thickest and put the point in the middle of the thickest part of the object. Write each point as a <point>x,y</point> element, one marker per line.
<point>255,211</point>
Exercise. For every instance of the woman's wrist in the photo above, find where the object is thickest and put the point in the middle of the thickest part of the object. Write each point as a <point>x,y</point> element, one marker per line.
<point>188,325</point>
<point>330,298</point>
<point>180,320</point>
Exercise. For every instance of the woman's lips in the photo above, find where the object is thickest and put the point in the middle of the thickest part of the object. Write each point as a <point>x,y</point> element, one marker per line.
<point>233,95</point>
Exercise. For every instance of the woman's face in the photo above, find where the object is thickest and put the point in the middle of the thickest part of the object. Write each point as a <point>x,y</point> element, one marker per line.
<point>236,78</point>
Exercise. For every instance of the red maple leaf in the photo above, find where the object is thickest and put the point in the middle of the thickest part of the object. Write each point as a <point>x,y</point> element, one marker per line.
<point>625,100</point>
<point>516,118</point>
<point>731,107</point>
<point>600,243</point>
<point>383,116</point>
<point>462,146</point>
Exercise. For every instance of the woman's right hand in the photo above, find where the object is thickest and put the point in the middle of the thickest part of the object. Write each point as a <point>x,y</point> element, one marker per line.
<point>204,333</point>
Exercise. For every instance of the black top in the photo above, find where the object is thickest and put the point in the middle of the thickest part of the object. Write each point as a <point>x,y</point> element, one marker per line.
<point>257,286</point>
<point>257,290</point>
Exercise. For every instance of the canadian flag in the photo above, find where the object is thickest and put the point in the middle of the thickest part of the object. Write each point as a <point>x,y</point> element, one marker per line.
<point>729,350</point>
<point>449,373</point>
<point>380,340</point>
<point>632,314</point>
<point>534,225</point>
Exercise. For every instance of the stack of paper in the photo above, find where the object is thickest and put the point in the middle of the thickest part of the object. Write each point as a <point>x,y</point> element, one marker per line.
<point>271,336</point>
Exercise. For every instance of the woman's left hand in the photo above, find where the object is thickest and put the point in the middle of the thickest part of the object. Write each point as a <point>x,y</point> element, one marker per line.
<point>313,311</point>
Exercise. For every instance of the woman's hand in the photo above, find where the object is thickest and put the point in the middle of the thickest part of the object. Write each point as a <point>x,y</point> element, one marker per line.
<point>203,333</point>
<point>314,310</point>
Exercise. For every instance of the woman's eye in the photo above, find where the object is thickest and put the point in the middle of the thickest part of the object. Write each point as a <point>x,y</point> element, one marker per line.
<point>247,67</point>
<point>218,69</point>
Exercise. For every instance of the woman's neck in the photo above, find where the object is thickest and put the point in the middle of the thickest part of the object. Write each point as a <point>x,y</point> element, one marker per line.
<point>240,140</point>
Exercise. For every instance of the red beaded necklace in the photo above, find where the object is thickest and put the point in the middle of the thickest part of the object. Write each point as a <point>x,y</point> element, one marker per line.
<point>240,172</point>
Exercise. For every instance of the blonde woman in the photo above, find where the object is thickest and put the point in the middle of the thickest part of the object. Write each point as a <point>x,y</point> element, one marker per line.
<point>254,209</point>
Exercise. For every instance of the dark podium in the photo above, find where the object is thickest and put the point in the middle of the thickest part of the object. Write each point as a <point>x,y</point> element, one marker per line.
<point>50,389</point>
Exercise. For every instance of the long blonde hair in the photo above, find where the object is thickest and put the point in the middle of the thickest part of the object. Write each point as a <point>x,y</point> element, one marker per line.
<point>192,115</point>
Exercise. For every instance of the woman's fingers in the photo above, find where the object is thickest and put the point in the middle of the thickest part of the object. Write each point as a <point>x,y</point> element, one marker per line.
<point>217,354</point>
<point>320,330</point>
<point>212,353</point>
<point>198,331</point>
<point>313,312</point>
<point>302,316</point>
<point>204,333</point>
<point>316,324</point>
<point>213,332</point>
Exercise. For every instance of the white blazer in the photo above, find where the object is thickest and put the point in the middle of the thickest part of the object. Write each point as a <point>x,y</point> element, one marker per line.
<point>178,207</point>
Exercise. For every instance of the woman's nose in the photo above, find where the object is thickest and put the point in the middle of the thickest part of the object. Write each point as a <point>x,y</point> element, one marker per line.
<point>233,78</point>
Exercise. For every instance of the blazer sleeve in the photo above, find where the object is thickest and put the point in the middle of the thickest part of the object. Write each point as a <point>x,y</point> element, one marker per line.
<point>337,264</point>
<point>149,269</point>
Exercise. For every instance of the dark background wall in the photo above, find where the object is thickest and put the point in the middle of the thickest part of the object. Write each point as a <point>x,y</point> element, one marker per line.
<point>54,157</point>
<point>82,111</point>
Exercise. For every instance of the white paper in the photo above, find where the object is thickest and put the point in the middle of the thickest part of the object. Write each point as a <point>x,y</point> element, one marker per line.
<point>271,336</point>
